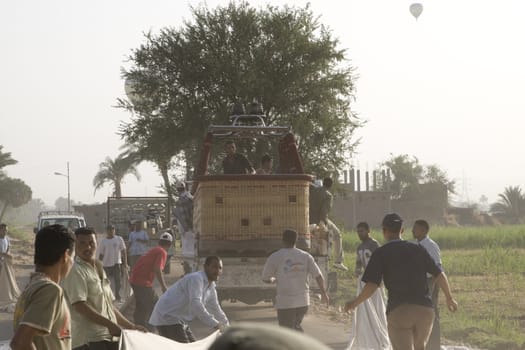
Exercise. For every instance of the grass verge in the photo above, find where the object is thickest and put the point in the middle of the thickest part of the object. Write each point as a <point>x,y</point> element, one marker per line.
<point>486,269</point>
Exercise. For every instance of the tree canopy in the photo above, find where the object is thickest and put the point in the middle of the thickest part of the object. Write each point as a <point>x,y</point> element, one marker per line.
<point>190,77</point>
<point>408,174</point>
<point>13,193</point>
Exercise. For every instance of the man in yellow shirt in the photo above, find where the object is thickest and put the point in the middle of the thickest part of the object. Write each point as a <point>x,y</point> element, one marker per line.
<point>95,321</point>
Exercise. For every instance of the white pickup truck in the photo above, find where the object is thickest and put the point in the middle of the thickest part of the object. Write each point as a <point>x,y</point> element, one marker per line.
<point>70,219</point>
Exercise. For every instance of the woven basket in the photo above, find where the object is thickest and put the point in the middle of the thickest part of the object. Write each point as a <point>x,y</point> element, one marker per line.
<point>251,208</point>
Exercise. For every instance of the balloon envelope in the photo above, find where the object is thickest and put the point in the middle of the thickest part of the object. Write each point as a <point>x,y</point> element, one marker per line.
<point>129,88</point>
<point>416,9</point>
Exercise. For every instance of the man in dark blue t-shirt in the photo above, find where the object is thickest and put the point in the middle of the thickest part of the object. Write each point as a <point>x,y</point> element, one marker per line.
<point>403,266</point>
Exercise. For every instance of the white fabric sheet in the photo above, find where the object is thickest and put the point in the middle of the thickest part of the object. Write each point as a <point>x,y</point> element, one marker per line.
<point>9,291</point>
<point>136,340</point>
<point>369,328</point>
<point>188,244</point>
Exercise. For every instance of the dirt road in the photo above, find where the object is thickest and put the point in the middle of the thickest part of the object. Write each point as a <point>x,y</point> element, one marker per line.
<point>333,334</point>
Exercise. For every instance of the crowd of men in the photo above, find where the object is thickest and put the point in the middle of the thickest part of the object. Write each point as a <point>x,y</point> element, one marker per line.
<point>69,302</point>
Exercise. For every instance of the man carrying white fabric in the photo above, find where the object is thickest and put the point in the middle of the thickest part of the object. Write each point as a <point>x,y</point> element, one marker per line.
<point>369,327</point>
<point>194,295</point>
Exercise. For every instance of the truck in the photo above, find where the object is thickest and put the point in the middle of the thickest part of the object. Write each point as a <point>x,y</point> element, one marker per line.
<point>241,218</point>
<point>154,212</point>
<point>69,219</point>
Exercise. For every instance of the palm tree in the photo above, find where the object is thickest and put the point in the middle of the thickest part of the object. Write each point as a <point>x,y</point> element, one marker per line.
<point>511,203</point>
<point>114,171</point>
<point>5,159</point>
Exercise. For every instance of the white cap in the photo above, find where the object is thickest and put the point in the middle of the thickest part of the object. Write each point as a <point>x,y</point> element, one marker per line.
<point>180,184</point>
<point>166,237</point>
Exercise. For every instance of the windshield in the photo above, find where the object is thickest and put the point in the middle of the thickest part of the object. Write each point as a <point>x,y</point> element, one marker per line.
<point>71,223</point>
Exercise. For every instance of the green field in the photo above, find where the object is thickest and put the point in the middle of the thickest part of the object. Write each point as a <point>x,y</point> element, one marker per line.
<point>486,269</point>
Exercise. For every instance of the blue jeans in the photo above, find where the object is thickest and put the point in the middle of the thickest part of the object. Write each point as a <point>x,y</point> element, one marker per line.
<point>115,273</point>
<point>145,299</point>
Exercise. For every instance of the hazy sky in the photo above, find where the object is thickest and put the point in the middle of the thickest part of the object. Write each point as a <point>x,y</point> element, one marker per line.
<point>447,88</point>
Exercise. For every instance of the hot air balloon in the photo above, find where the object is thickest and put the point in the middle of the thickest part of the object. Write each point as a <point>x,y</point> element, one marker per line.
<point>416,9</point>
<point>129,88</point>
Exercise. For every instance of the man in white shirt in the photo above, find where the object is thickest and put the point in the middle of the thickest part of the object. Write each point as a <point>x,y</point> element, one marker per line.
<point>4,242</point>
<point>4,245</point>
<point>184,215</point>
<point>138,242</point>
<point>112,253</point>
<point>289,267</point>
<point>194,295</point>
<point>420,231</point>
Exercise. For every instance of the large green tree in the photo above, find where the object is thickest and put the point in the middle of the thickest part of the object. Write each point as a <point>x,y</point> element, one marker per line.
<point>113,171</point>
<point>190,77</point>
<point>407,173</point>
<point>13,193</point>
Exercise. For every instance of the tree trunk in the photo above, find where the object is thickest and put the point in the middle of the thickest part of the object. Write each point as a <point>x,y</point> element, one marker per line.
<point>188,166</point>
<point>3,211</point>
<point>118,189</point>
<point>163,167</point>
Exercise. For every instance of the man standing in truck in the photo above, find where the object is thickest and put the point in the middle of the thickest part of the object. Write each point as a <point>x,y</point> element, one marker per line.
<point>289,268</point>
<point>235,163</point>
<point>320,205</point>
<point>266,165</point>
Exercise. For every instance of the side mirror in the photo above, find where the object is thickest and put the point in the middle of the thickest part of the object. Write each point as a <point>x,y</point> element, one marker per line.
<point>35,230</point>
